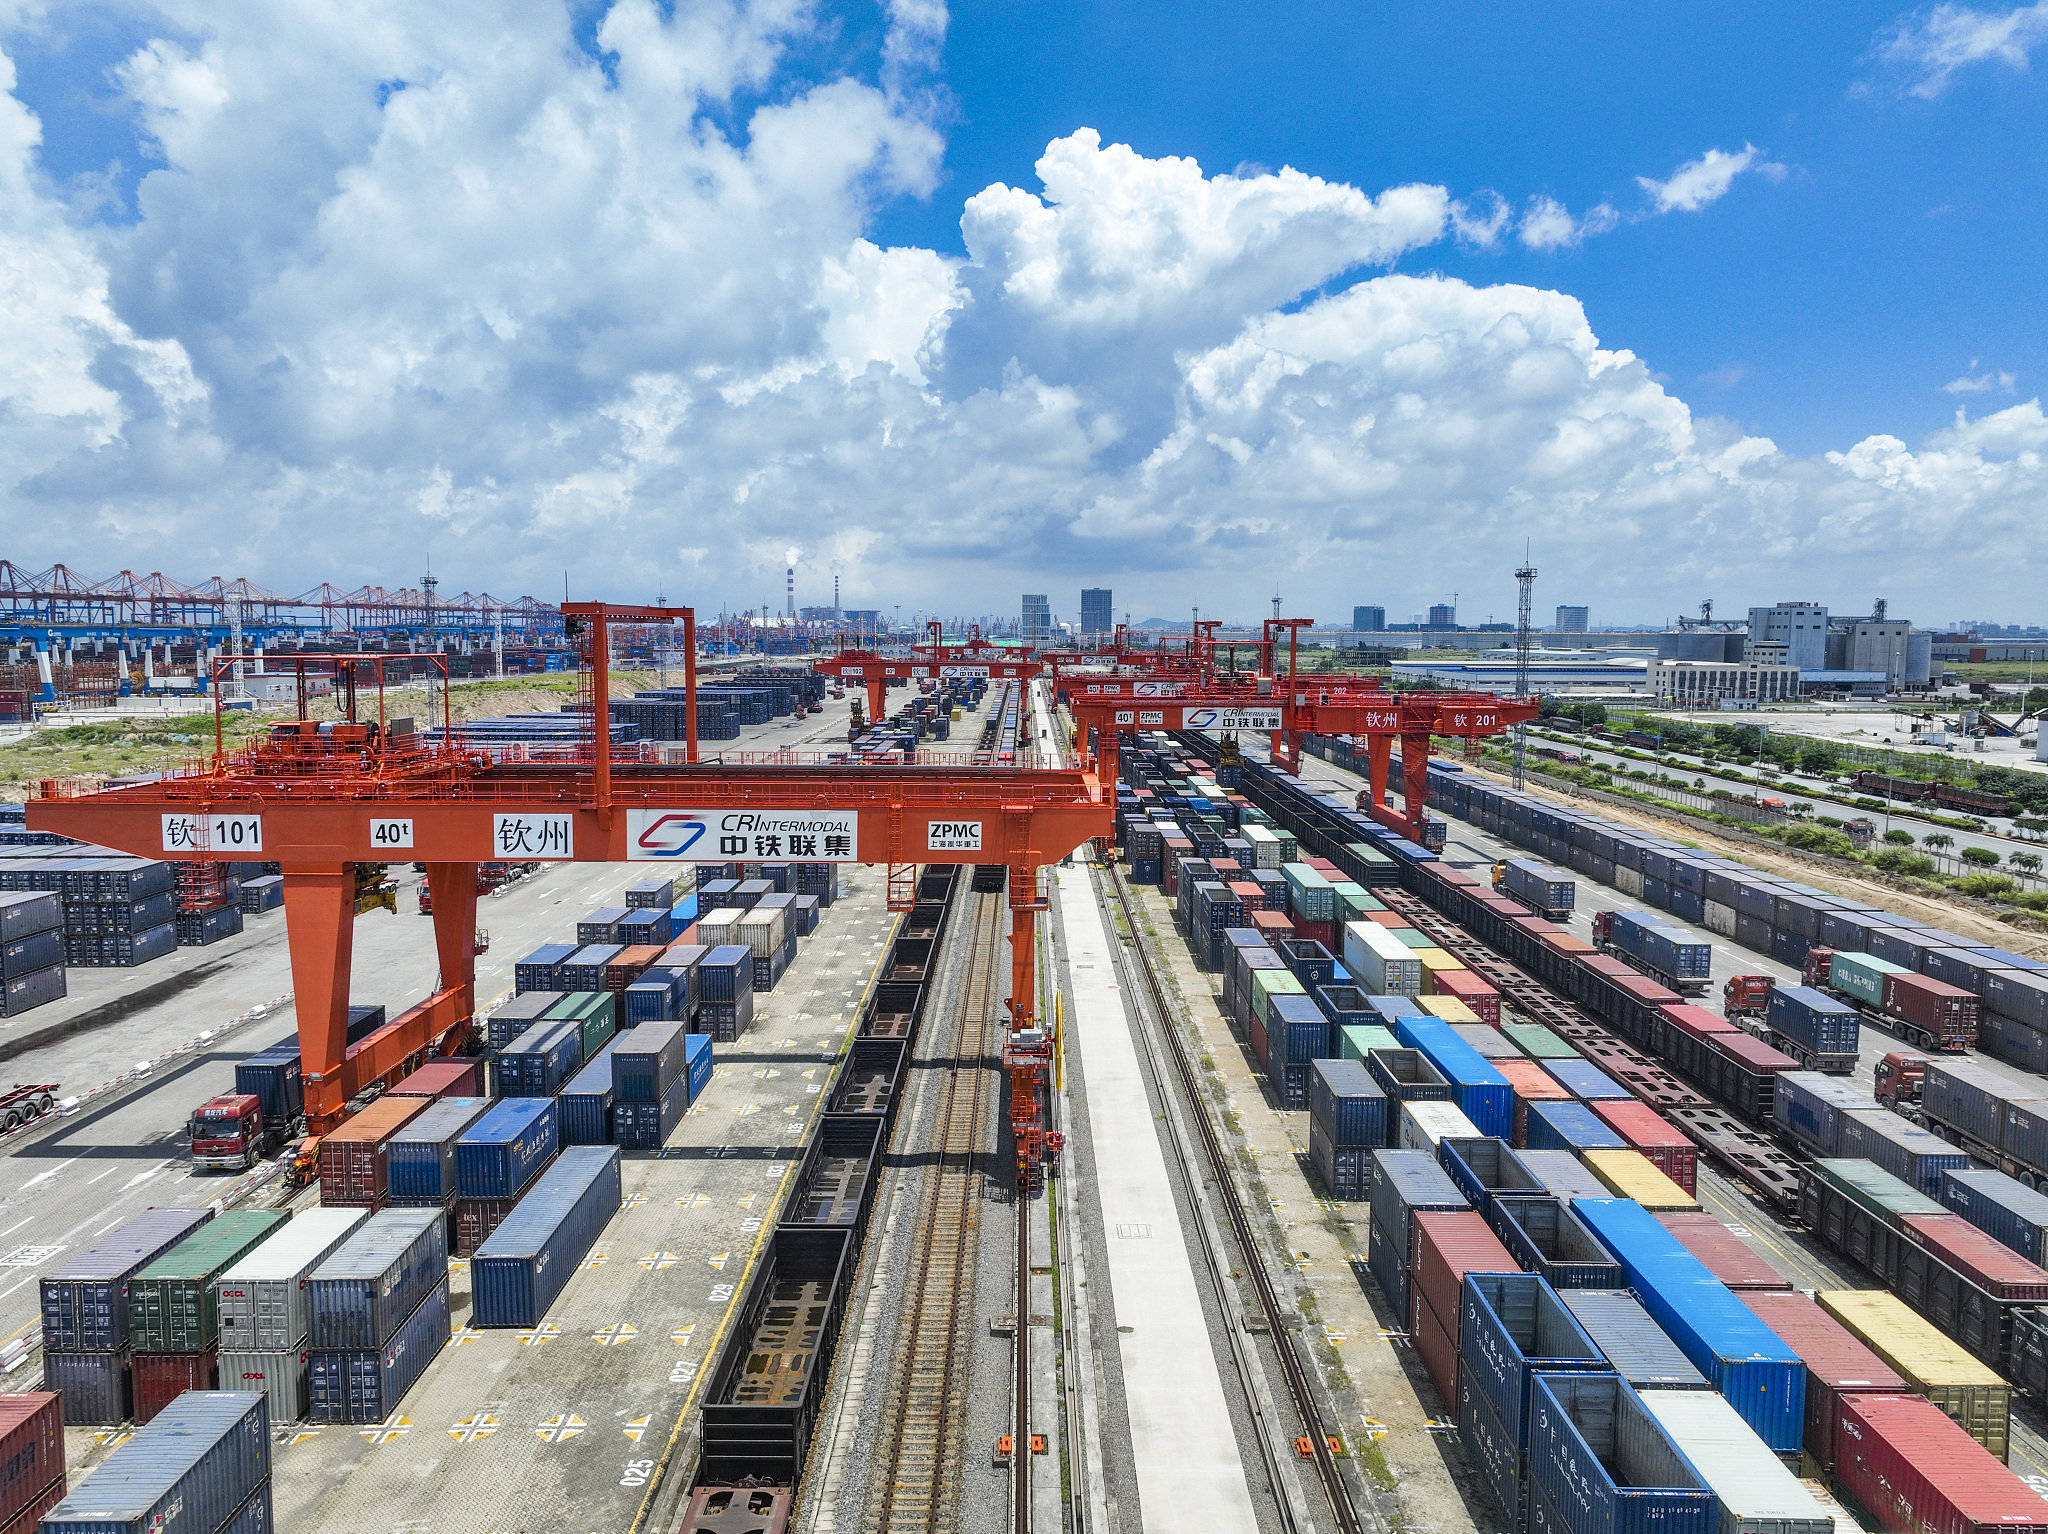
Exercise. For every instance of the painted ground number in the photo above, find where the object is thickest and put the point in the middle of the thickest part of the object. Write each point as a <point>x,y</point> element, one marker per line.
<point>637,1472</point>
<point>720,1293</point>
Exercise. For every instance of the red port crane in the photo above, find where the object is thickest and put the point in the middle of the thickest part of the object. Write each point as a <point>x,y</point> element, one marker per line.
<point>974,657</point>
<point>318,803</point>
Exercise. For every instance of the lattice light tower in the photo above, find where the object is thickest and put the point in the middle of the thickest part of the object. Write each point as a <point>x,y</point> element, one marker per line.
<point>1525,578</point>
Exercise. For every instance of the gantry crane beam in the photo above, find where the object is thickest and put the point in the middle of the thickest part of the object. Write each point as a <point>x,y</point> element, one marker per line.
<point>1379,718</point>
<point>977,657</point>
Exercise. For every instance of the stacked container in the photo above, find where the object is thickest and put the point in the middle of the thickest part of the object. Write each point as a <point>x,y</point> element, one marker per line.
<point>1447,1246</point>
<point>525,1263</point>
<point>1902,1455</point>
<point>1935,1366</point>
<point>1600,1463</point>
<point>204,1463</point>
<point>496,1158</point>
<point>174,1311</point>
<point>1405,1183</point>
<point>354,1158</point>
<point>1635,1346</point>
<point>31,1458</point>
<point>1755,1490</point>
<point>420,1158</point>
<point>85,1314</point>
<point>262,1304</point>
<point>1837,1363</point>
<point>378,1313</point>
<point>1347,1122</point>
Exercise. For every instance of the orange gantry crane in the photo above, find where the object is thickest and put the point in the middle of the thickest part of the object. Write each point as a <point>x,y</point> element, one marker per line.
<point>319,799</point>
<point>973,657</point>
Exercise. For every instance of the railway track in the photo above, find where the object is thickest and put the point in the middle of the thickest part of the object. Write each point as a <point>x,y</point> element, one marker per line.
<point>920,1454</point>
<point>1315,1432</point>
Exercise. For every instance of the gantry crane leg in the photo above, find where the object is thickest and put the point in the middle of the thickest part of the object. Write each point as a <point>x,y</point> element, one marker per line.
<point>320,930</point>
<point>453,886</point>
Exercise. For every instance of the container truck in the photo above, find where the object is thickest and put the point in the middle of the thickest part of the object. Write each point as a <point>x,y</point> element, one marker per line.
<point>229,1133</point>
<point>1816,1029</point>
<point>1667,954</point>
<point>1538,886</point>
<point>1929,1013</point>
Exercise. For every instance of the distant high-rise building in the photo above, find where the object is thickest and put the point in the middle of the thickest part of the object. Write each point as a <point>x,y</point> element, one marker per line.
<point>1036,627</point>
<point>1369,620</point>
<point>1572,620</point>
<point>1095,615</point>
<point>1801,627</point>
<point>1443,616</point>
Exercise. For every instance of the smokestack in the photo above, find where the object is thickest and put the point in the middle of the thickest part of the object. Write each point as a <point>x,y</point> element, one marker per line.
<point>792,593</point>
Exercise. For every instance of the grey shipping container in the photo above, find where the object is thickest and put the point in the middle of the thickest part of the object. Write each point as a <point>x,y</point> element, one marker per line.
<point>647,1061</point>
<point>97,1388</point>
<point>524,1264</point>
<point>84,1301</point>
<point>1903,1149</point>
<point>363,1293</point>
<point>1637,1348</point>
<point>586,1100</point>
<point>262,1296</point>
<point>2003,1207</point>
<point>366,1384</point>
<point>192,1466</point>
<point>1405,1181</point>
<point>1547,1239</point>
<point>1563,1175</point>
<point>1347,1102</point>
<point>647,1126</point>
<point>1758,1495</point>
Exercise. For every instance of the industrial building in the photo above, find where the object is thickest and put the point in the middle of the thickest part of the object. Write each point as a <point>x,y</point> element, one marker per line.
<point>1619,676</point>
<point>1096,606</point>
<point>1711,683</point>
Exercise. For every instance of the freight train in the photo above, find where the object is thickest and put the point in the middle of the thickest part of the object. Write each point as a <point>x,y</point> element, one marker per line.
<point>768,1383</point>
<point>1967,800</point>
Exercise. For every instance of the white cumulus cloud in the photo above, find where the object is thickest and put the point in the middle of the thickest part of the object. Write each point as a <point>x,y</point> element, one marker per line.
<point>1927,48</point>
<point>408,274</point>
<point>1698,183</point>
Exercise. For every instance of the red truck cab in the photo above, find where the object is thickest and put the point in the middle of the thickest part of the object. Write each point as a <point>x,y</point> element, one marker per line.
<point>1747,996</point>
<point>1900,1075</point>
<point>228,1133</point>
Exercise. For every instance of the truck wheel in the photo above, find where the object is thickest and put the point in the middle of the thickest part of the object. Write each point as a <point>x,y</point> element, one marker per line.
<point>12,1121</point>
<point>45,1103</point>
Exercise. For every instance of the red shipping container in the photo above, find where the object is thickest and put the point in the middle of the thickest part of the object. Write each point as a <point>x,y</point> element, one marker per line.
<point>1535,926</point>
<point>1324,866</point>
<point>1991,1265</point>
<point>352,1164</point>
<point>1919,1473</point>
<point>1754,1053</point>
<point>443,1078</point>
<point>1613,969</point>
<point>1389,920</point>
<point>1255,1035</point>
<point>31,1448</point>
<point>25,1521</point>
<point>1837,1362</point>
<point>1646,990</point>
<point>628,966</point>
<point>1451,875</point>
<point>160,1378</point>
<point>475,1219</point>
<point>1225,867</point>
<point>1324,932</point>
<point>1445,1247</point>
<point>1253,897</point>
<point>1933,1004</point>
<point>1532,1084</point>
<point>1439,1352</point>
<point>1697,1021</point>
<point>1270,924</point>
<point>1500,905</point>
<point>1482,998</point>
<point>1566,946</point>
<point>1721,1251</point>
<point>687,938</point>
<point>1664,1143</point>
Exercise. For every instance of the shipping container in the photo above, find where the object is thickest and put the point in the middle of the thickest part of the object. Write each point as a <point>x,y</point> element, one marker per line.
<point>1502,1466</point>
<point>366,1384</point>
<point>647,1062</point>
<point>506,1148</point>
<point>172,1304</point>
<point>1837,1362</point>
<point>1808,1107</point>
<point>31,1450</point>
<point>191,1468</point>
<point>1485,1167</point>
<point>1630,1174</point>
<point>1921,1474</point>
<point>1346,1170</point>
<point>443,1078</point>
<point>647,1126</point>
<point>1562,1174</point>
<point>537,1062</point>
<point>1724,1254</point>
<point>1813,1027</point>
<point>1380,963</point>
<point>354,1158</point>
<point>274,1078</point>
<point>2000,1206</point>
<point>420,1159</point>
<point>518,1272</point>
<point>279,1375</point>
<point>1406,1076</point>
<point>1606,1466</point>
<point>1656,1137</point>
<point>360,1296</point>
<point>1757,1494</point>
<point>97,1388</point>
<point>160,1378</point>
<point>519,1014</point>
<point>1425,1126</point>
<point>1538,1042</point>
<point>1447,1247</point>
<point>84,1300</point>
<point>1404,1183</point>
<point>1347,1103</point>
<point>1480,1091</point>
<point>1547,1239</point>
<point>1983,1108</point>
<point>1930,1363</point>
<point>1903,1149</point>
<point>1722,1337</point>
<point>1567,1126</point>
<point>1511,1328</point>
<point>1989,1264</point>
<point>1585,1081</point>
<point>1635,1346</point>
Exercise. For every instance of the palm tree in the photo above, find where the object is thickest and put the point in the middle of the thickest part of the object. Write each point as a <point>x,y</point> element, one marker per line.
<point>1940,841</point>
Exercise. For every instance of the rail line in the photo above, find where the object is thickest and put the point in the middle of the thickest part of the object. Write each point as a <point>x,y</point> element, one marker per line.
<point>921,1453</point>
<point>1315,1432</point>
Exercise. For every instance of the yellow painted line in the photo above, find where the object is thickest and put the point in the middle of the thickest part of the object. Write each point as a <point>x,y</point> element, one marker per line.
<point>739,1288</point>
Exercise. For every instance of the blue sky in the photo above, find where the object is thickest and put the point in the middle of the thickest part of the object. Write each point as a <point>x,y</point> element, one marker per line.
<point>1908,239</point>
<point>667,293</point>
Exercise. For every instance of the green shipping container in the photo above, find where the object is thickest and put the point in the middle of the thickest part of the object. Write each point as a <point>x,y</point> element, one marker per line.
<point>1358,1038</point>
<point>1538,1042</point>
<point>1353,902</point>
<point>1876,1190</point>
<point>1412,937</point>
<point>171,1303</point>
<point>1268,983</point>
<point>597,1011</point>
<point>1861,976</point>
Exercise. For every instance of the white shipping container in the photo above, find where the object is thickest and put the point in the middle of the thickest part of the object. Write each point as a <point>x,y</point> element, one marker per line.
<point>1756,1493</point>
<point>763,931</point>
<point>281,1376</point>
<point>1721,919</point>
<point>1265,846</point>
<point>1380,963</point>
<point>262,1298</point>
<point>1424,1126</point>
<point>1628,880</point>
<point>716,928</point>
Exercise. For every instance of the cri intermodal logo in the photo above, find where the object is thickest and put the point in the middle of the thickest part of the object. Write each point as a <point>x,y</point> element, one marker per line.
<point>671,836</point>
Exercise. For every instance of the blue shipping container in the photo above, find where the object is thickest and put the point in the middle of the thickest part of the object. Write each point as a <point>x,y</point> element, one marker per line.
<point>647,1126</point>
<point>524,1264</point>
<point>537,971</point>
<point>1512,1327</point>
<point>421,1156</point>
<point>2004,1208</point>
<point>1481,1092</point>
<point>725,972</point>
<point>587,1102</point>
<point>1744,1359</point>
<point>507,1146</point>
<point>273,1077</point>
<point>191,1466</point>
<point>697,1063</point>
<point>1585,1080</point>
<point>1815,1021</point>
<point>537,1062</point>
<point>1348,1103</point>
<point>1569,1127</point>
<point>1607,1466</point>
<point>1296,1032</point>
<point>1671,950</point>
<point>84,1297</point>
<point>367,1384</point>
<point>363,1292</point>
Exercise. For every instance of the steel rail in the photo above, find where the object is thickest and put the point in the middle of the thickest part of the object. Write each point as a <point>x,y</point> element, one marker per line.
<point>1299,1387</point>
